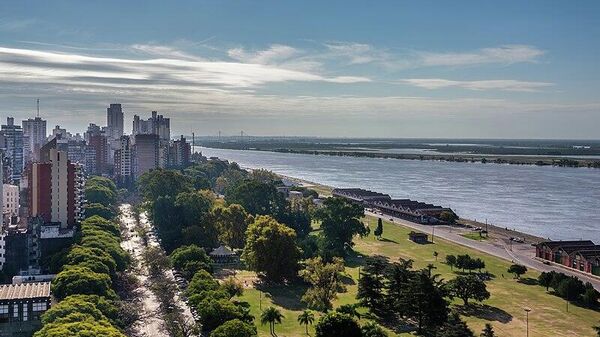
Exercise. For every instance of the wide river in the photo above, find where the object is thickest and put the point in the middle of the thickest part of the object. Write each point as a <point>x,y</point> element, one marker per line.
<point>553,202</point>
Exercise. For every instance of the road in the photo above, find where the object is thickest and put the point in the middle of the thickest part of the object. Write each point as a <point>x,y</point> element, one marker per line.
<point>521,253</point>
<point>151,322</point>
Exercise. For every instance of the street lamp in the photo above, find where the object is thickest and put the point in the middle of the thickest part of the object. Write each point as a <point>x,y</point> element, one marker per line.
<point>527,310</point>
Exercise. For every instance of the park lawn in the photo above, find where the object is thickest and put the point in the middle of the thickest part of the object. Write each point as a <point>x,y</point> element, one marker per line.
<point>474,236</point>
<point>504,309</point>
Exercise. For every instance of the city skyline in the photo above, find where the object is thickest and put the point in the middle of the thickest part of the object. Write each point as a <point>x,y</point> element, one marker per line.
<point>391,70</point>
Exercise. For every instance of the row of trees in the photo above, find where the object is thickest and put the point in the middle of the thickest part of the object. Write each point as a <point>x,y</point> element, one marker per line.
<point>88,304</point>
<point>570,288</point>
<point>393,290</point>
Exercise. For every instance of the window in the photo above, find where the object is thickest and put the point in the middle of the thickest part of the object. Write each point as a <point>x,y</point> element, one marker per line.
<point>16,310</point>
<point>41,306</point>
<point>3,309</point>
<point>25,312</point>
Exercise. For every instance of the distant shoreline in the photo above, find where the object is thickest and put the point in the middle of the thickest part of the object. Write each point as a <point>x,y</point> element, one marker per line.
<point>459,158</point>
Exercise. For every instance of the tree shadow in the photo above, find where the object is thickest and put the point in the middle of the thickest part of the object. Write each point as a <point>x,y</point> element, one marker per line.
<point>398,326</point>
<point>388,240</point>
<point>288,296</point>
<point>486,312</point>
<point>347,280</point>
<point>528,281</point>
<point>354,259</point>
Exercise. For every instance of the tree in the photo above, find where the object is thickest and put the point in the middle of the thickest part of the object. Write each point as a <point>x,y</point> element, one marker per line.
<point>435,254</point>
<point>422,299</point>
<point>194,206</point>
<point>257,198</point>
<point>101,181</point>
<point>156,260</point>
<point>451,261</point>
<point>232,222</point>
<point>488,331</point>
<point>272,316</point>
<point>95,259</point>
<point>463,262</point>
<point>372,329</point>
<point>337,324</point>
<point>349,309</point>
<point>468,287</point>
<point>214,312</point>
<point>271,249</point>
<point>96,222</point>
<point>163,183</point>
<point>306,318</point>
<point>518,270</point>
<point>81,280</point>
<point>340,222</point>
<point>597,329</point>
<point>98,209</point>
<point>202,281</point>
<point>545,279</point>
<point>590,296</point>
<point>397,277</point>
<point>233,287</point>
<point>325,280</point>
<point>455,327</point>
<point>234,328</point>
<point>371,283</point>
<point>100,195</point>
<point>570,288</point>
<point>379,230</point>
<point>448,216</point>
<point>190,259</point>
<point>76,325</point>
<point>71,305</point>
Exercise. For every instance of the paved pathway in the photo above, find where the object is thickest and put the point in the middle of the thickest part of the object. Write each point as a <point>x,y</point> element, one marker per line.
<point>521,253</point>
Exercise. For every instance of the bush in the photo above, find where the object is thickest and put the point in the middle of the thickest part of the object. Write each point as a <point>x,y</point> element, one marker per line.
<point>234,328</point>
<point>337,324</point>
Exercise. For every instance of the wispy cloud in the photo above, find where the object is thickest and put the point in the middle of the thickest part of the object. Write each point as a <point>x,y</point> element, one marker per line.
<point>507,54</point>
<point>275,54</point>
<point>11,25</point>
<point>504,85</point>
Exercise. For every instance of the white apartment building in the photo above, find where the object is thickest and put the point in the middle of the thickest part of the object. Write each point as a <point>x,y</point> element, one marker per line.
<point>10,199</point>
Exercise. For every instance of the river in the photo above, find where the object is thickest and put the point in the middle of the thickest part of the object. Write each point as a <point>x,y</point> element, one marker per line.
<point>560,203</point>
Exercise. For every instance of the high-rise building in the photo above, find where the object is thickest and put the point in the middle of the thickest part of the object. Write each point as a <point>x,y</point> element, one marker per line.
<point>99,143</point>
<point>180,152</point>
<point>146,155</point>
<point>56,190</point>
<point>157,124</point>
<point>114,121</point>
<point>11,141</point>
<point>34,135</point>
<point>123,162</point>
<point>10,199</point>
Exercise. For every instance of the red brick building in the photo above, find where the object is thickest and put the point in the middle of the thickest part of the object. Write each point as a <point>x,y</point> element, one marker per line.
<point>582,255</point>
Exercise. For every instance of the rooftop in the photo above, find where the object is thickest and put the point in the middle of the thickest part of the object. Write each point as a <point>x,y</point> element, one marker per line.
<point>24,291</point>
<point>577,243</point>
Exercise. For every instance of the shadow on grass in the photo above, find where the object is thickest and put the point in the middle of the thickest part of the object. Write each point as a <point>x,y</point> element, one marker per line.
<point>486,312</point>
<point>396,325</point>
<point>288,296</point>
<point>347,280</point>
<point>388,240</point>
<point>529,281</point>
<point>354,259</point>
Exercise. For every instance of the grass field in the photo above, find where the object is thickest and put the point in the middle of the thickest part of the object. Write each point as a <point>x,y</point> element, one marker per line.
<point>474,236</point>
<point>504,310</point>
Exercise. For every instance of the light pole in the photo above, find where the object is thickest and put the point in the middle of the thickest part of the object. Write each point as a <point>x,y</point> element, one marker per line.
<point>432,232</point>
<point>527,310</point>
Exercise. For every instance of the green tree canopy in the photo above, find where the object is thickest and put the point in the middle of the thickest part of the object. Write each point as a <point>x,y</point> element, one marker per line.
<point>340,222</point>
<point>215,312</point>
<point>96,259</point>
<point>190,259</point>
<point>337,324</point>
<point>372,329</point>
<point>96,222</point>
<point>257,198</point>
<point>468,287</point>
<point>518,270</point>
<point>234,328</point>
<point>81,280</point>
<point>325,281</point>
<point>97,209</point>
<point>163,183</point>
<point>232,222</point>
<point>101,195</point>
<point>271,249</point>
<point>76,326</point>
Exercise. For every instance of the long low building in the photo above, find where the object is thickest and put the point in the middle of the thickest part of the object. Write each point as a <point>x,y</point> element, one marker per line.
<point>582,255</point>
<point>411,210</point>
<point>21,306</point>
<point>403,208</point>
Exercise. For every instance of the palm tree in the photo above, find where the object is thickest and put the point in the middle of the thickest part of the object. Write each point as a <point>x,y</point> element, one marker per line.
<point>435,254</point>
<point>272,316</point>
<point>430,267</point>
<point>306,318</point>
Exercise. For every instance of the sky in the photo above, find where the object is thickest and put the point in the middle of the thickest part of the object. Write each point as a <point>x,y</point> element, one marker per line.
<point>446,69</point>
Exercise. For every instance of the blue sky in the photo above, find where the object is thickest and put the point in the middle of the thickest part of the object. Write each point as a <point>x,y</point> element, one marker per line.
<point>478,69</point>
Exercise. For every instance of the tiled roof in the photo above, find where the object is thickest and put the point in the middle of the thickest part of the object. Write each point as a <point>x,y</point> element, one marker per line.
<point>578,243</point>
<point>24,290</point>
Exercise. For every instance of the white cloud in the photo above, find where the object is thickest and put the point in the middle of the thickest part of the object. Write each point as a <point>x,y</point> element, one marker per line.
<point>507,54</point>
<point>11,25</point>
<point>504,85</point>
<point>275,54</point>
<point>164,51</point>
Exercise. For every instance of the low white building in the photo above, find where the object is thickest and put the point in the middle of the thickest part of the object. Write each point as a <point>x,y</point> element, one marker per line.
<point>10,199</point>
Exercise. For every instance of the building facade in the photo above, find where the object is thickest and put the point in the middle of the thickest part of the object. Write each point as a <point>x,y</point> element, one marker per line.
<point>11,141</point>
<point>10,199</point>
<point>56,190</point>
<point>146,154</point>
<point>21,307</point>
<point>34,132</point>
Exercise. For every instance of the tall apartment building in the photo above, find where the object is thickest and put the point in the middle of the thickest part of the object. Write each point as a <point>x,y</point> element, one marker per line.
<point>180,152</point>
<point>56,190</point>
<point>11,141</point>
<point>34,135</point>
<point>157,124</point>
<point>114,121</point>
<point>124,162</point>
<point>146,154</point>
<point>99,143</point>
<point>10,199</point>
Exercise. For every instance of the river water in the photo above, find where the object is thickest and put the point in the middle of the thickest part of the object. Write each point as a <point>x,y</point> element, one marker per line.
<point>560,203</point>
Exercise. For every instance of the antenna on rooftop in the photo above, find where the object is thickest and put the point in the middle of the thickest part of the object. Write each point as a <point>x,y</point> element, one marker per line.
<point>38,107</point>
